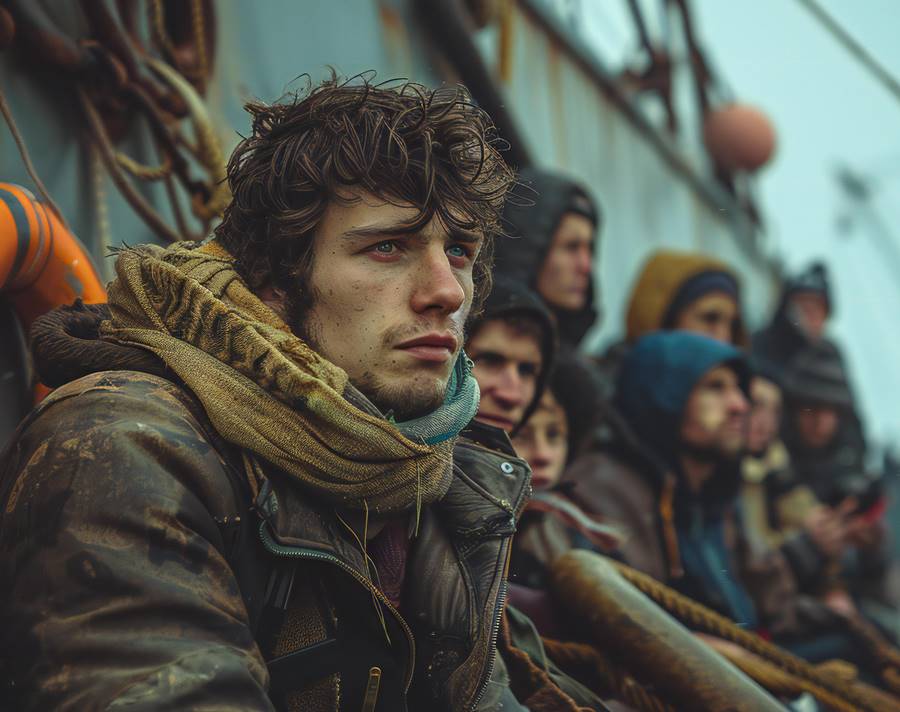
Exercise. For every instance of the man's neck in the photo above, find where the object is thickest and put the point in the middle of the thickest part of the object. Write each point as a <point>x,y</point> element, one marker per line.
<point>696,471</point>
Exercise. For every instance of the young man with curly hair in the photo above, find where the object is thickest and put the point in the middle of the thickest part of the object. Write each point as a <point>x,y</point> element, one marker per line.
<point>264,500</point>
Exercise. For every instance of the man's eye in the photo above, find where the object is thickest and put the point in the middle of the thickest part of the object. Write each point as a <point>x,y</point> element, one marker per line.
<point>488,359</point>
<point>554,435</point>
<point>528,369</point>
<point>384,248</point>
<point>458,251</point>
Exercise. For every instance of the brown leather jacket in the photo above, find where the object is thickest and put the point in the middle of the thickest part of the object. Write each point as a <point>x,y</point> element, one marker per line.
<point>627,494</point>
<point>140,572</point>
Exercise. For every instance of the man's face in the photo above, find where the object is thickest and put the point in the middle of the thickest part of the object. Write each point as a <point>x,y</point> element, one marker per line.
<point>765,415</point>
<point>816,424</point>
<point>507,364</point>
<point>388,305</point>
<point>565,274</point>
<point>810,310</point>
<point>714,418</point>
<point>714,315</point>
<point>543,442</point>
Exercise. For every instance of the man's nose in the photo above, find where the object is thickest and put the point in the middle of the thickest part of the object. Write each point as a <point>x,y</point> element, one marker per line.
<point>437,285</point>
<point>721,332</point>
<point>738,402</point>
<point>541,452</point>
<point>585,260</point>
<point>509,387</point>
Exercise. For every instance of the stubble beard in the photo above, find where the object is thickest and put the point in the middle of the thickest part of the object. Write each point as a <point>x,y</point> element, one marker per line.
<point>418,395</point>
<point>414,398</point>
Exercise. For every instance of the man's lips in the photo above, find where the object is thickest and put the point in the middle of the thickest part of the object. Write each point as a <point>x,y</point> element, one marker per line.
<point>538,480</point>
<point>438,347</point>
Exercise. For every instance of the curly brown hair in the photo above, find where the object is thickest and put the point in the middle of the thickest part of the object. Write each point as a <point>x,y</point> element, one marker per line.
<point>406,144</point>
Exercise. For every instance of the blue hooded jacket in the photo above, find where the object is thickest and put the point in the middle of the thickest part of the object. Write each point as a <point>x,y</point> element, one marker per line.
<point>653,389</point>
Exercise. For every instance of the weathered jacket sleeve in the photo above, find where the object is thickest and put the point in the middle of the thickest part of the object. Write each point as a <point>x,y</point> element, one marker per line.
<point>116,590</point>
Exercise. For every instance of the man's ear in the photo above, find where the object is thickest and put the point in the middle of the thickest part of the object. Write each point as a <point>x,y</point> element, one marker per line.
<point>275,299</point>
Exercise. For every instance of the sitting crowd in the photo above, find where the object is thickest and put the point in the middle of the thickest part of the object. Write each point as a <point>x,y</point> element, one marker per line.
<point>265,479</point>
<point>731,469</point>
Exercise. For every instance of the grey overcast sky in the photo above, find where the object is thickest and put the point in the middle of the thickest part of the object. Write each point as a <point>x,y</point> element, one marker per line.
<point>828,112</point>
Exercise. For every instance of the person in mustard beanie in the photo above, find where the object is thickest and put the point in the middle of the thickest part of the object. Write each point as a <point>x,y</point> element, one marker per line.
<point>687,291</point>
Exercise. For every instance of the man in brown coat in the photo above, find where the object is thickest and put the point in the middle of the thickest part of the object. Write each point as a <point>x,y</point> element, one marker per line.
<point>252,492</point>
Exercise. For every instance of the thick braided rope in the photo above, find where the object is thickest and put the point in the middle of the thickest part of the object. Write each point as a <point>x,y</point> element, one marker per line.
<point>611,679</point>
<point>783,684</point>
<point>698,617</point>
<point>887,655</point>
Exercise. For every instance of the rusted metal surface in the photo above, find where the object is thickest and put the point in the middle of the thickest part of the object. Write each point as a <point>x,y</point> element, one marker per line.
<point>656,192</point>
<point>451,28</point>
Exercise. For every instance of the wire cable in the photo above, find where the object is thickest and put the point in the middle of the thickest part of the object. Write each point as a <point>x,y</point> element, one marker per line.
<point>860,53</point>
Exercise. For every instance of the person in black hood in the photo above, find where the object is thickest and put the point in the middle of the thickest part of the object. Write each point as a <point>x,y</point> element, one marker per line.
<point>820,399</point>
<point>512,343</point>
<point>828,456</point>
<point>553,223</point>
<point>800,319</point>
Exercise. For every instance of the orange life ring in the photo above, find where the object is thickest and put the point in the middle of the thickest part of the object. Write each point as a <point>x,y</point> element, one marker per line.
<point>42,264</point>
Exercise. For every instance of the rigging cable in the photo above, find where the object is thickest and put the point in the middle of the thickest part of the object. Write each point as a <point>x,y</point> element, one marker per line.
<point>859,52</point>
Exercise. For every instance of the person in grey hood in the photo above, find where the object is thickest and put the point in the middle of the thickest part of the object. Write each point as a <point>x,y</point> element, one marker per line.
<point>555,223</point>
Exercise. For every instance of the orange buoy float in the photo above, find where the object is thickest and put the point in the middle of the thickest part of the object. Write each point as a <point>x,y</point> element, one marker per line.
<point>42,264</point>
<point>739,137</point>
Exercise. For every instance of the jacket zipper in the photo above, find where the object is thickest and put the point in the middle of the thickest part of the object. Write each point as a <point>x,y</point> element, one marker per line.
<point>492,640</point>
<point>274,547</point>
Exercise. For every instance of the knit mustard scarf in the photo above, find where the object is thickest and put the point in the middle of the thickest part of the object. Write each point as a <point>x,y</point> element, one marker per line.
<point>266,391</point>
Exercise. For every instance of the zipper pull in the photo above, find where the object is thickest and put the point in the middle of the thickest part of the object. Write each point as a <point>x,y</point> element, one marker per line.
<point>371,696</point>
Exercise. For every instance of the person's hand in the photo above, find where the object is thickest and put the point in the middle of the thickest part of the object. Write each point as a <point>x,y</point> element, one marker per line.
<point>840,602</point>
<point>827,527</point>
<point>863,533</point>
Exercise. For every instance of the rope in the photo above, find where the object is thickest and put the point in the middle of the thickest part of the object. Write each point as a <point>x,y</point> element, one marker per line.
<point>782,683</point>
<point>26,159</point>
<point>698,617</point>
<point>609,679</point>
<point>208,148</point>
<point>887,655</point>
<point>144,172</point>
<point>101,209</point>
<point>197,21</point>
<point>150,216</point>
<point>158,28</point>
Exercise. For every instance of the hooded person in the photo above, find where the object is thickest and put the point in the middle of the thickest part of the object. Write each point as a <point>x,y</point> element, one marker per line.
<point>512,343</point>
<point>796,338</point>
<point>820,432</point>
<point>827,452</point>
<point>800,318</point>
<point>680,403</point>
<point>553,222</point>
<point>670,482</point>
<point>678,290</point>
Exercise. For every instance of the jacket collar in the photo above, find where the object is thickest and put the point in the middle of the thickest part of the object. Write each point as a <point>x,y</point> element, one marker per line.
<point>488,492</point>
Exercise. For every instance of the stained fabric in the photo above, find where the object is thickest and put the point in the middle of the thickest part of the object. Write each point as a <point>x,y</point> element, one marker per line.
<point>266,391</point>
<point>531,216</point>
